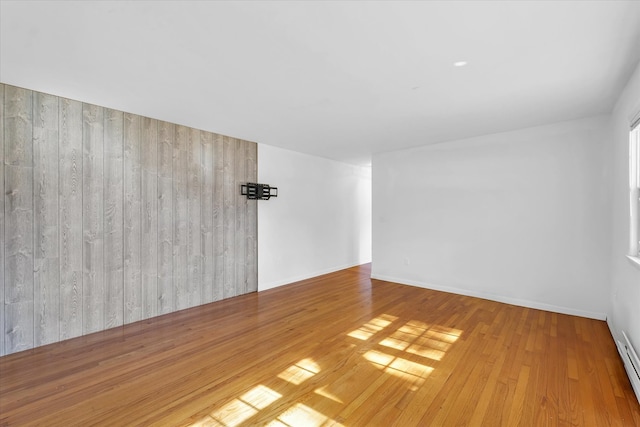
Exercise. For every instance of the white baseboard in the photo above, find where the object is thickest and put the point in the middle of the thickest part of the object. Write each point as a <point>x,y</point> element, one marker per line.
<point>289,280</point>
<point>621,342</point>
<point>498,298</point>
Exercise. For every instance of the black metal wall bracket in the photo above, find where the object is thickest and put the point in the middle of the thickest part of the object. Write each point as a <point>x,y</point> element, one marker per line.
<point>255,191</point>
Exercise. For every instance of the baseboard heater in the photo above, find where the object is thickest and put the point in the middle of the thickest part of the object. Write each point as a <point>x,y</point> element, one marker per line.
<point>631,363</point>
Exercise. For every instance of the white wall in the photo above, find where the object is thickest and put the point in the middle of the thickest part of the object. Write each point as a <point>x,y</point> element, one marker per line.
<point>625,276</point>
<point>519,217</point>
<point>320,222</point>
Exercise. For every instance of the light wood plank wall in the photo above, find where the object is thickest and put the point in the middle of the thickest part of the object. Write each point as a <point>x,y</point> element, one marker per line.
<point>110,218</point>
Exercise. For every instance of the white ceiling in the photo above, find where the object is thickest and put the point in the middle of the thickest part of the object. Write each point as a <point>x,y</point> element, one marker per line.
<point>340,80</point>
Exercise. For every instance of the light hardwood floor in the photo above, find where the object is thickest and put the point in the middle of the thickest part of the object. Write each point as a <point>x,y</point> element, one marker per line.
<point>339,349</point>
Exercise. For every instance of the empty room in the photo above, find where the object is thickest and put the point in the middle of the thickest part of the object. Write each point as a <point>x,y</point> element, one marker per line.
<point>319,213</point>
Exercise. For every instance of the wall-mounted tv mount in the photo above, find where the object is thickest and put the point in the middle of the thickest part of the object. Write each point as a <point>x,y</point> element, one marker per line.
<point>255,191</point>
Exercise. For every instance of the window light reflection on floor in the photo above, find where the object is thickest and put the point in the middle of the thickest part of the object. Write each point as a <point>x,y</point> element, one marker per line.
<point>302,415</point>
<point>242,408</point>
<point>399,367</point>
<point>431,342</point>
<point>372,327</point>
<point>300,372</point>
<point>416,340</point>
<point>322,391</point>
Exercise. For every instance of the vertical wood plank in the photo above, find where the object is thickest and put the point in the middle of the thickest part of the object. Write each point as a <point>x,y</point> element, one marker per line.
<point>46,280</point>
<point>70,204</point>
<point>133,299</point>
<point>180,238</point>
<point>229,221</point>
<point>194,231</point>
<point>149,218</point>
<point>2,241</point>
<point>165,217</point>
<point>240,203</point>
<point>18,213</point>
<point>251,233</point>
<point>113,218</point>
<point>206,216</point>
<point>218,217</point>
<point>93,218</point>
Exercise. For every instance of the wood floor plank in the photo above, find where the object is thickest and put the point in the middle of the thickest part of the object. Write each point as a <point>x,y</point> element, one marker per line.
<point>339,349</point>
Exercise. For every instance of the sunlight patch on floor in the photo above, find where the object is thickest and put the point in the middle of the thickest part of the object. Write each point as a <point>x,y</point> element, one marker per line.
<point>277,423</point>
<point>420,339</point>
<point>243,407</point>
<point>300,372</point>
<point>450,335</point>
<point>300,415</point>
<point>324,393</point>
<point>397,344</point>
<point>260,397</point>
<point>372,327</point>
<point>414,327</point>
<point>207,422</point>
<point>398,366</point>
<point>414,340</point>
<point>426,351</point>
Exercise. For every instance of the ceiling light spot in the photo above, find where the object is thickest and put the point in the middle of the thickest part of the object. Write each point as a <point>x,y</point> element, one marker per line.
<point>460,63</point>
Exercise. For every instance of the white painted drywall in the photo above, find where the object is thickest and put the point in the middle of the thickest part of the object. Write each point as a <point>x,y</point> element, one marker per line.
<point>320,221</point>
<point>625,276</point>
<point>519,217</point>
